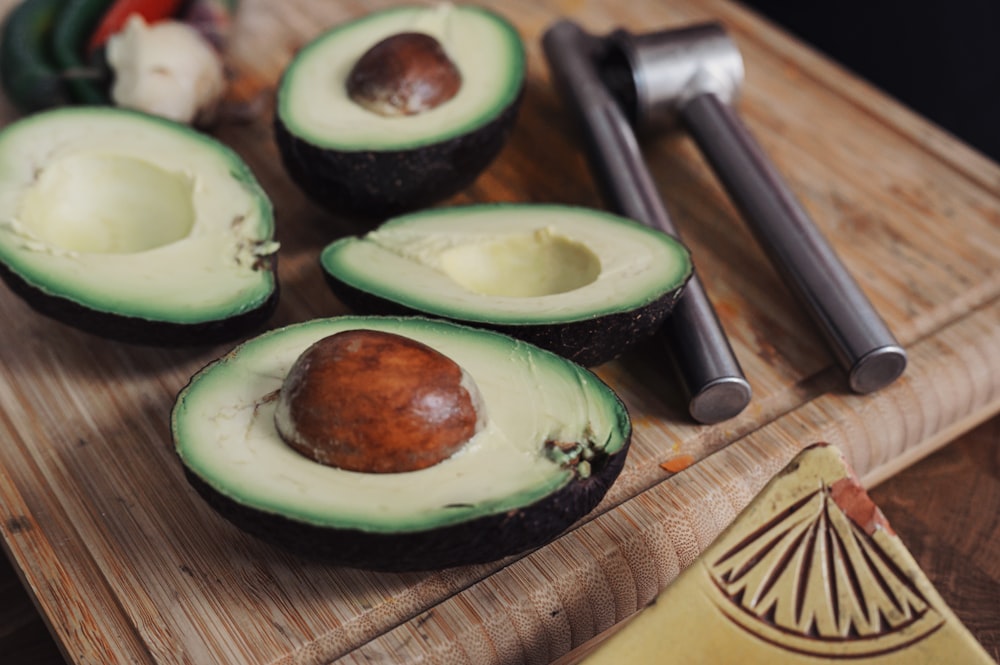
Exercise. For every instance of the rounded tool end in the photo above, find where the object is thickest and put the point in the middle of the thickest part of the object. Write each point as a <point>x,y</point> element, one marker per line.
<point>877,369</point>
<point>720,400</point>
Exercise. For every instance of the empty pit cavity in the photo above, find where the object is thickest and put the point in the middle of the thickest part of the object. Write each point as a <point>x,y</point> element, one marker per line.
<point>108,204</point>
<point>522,266</point>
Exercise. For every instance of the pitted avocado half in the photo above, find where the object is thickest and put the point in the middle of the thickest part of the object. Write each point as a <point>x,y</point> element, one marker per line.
<point>553,438</point>
<point>133,227</point>
<point>583,283</point>
<point>356,161</point>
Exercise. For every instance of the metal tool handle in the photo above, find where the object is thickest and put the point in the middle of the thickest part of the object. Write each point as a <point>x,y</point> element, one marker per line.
<point>712,377</point>
<point>860,340</point>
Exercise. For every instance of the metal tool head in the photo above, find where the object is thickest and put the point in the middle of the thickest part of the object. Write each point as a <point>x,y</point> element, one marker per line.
<point>654,74</point>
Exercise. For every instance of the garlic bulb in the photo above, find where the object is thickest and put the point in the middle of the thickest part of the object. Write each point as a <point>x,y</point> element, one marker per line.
<point>167,69</point>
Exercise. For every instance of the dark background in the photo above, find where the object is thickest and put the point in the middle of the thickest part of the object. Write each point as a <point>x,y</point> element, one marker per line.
<point>941,59</point>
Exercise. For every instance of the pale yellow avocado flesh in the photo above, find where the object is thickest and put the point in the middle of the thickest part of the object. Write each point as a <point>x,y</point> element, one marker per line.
<point>126,213</point>
<point>521,263</point>
<point>223,424</point>
<point>108,204</point>
<point>313,102</point>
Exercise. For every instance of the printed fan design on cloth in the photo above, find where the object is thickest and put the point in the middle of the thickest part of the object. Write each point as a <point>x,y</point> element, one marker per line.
<point>846,589</point>
<point>810,571</point>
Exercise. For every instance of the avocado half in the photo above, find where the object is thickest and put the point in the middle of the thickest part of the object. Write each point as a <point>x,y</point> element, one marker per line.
<point>133,227</point>
<point>509,489</point>
<point>582,283</point>
<point>354,161</point>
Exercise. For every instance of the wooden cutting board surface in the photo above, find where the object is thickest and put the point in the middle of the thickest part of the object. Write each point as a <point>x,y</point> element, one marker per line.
<point>129,566</point>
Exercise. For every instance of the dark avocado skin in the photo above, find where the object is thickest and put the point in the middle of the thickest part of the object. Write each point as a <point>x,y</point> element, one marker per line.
<point>135,330</point>
<point>480,540</point>
<point>376,184</point>
<point>588,342</point>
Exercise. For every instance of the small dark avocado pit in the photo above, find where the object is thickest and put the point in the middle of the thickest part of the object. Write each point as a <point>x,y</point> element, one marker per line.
<point>549,440</point>
<point>169,243</point>
<point>413,117</point>
<point>582,283</point>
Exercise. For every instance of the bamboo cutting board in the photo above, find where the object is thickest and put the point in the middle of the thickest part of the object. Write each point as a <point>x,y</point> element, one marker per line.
<point>129,566</point>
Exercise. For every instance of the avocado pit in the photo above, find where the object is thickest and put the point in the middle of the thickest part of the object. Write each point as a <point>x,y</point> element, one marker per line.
<point>404,74</point>
<point>376,402</point>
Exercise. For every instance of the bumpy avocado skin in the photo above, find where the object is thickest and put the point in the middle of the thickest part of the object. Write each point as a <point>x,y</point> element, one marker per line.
<point>588,342</point>
<point>481,540</point>
<point>139,331</point>
<point>376,184</point>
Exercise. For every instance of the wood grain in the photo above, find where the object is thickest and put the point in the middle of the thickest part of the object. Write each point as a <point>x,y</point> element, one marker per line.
<point>946,510</point>
<point>956,548</point>
<point>128,565</point>
<point>944,507</point>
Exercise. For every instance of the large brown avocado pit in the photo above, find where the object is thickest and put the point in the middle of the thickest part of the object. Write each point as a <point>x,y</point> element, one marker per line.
<point>404,74</point>
<point>376,402</point>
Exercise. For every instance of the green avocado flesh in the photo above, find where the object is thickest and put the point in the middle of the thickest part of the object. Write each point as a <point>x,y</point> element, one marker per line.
<point>313,102</point>
<point>523,268</point>
<point>112,219</point>
<point>506,489</point>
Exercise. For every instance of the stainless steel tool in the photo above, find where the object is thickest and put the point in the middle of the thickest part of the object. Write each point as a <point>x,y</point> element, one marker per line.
<point>692,335</point>
<point>689,77</point>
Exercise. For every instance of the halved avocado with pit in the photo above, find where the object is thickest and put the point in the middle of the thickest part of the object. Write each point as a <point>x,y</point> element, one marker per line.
<point>582,283</point>
<point>356,161</point>
<point>552,439</point>
<point>133,227</point>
